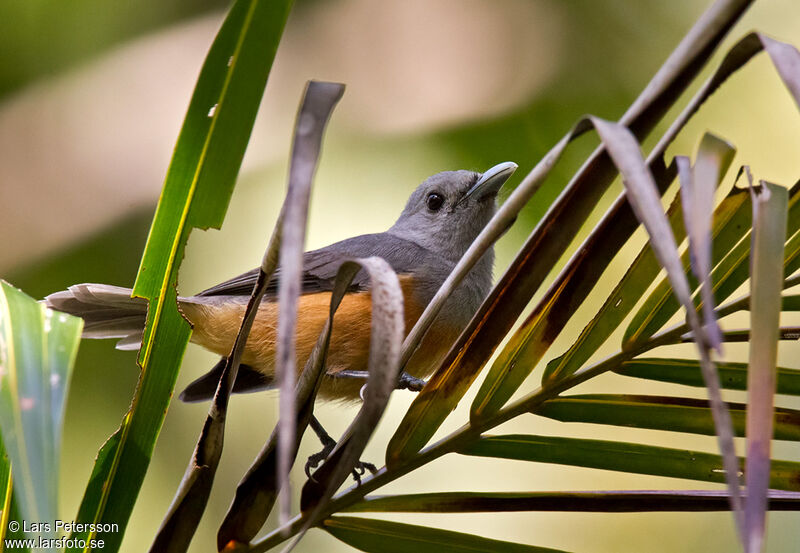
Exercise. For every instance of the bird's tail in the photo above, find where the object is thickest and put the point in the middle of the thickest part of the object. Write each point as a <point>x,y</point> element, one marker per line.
<point>107,311</point>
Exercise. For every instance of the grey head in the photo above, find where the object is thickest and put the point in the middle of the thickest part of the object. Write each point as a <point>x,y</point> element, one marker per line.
<point>448,210</point>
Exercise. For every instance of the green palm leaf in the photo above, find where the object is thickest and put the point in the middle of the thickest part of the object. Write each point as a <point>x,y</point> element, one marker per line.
<point>623,457</point>
<point>732,375</point>
<point>382,536</point>
<point>196,193</point>
<point>37,353</point>
<point>675,414</point>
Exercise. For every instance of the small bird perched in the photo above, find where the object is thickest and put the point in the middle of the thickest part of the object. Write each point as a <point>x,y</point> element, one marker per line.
<point>441,219</point>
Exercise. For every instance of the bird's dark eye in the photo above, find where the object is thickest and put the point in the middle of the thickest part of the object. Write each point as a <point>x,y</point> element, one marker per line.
<point>434,201</point>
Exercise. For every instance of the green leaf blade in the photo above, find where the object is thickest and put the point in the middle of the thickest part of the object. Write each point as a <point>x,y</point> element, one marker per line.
<point>733,376</point>
<point>6,488</point>
<point>382,536</point>
<point>674,414</point>
<point>37,354</point>
<point>579,501</point>
<point>196,193</point>
<point>622,457</point>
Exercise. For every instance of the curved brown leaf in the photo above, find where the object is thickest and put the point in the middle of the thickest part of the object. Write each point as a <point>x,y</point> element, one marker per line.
<point>319,100</point>
<point>769,232</point>
<point>256,493</point>
<point>698,183</point>
<point>386,339</point>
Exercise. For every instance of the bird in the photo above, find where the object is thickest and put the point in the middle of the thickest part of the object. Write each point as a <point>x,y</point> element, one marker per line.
<point>441,218</point>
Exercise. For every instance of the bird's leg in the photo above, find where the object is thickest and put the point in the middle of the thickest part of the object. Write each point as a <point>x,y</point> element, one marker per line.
<point>405,382</point>
<point>328,444</point>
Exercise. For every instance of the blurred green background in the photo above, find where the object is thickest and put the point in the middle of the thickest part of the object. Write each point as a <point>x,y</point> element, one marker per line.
<point>92,95</point>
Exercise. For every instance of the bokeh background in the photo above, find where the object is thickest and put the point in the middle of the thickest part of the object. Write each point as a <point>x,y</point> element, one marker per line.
<point>92,95</point>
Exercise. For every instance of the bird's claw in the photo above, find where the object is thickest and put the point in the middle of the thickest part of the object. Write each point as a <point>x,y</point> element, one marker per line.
<point>358,471</point>
<point>328,444</point>
<point>315,459</point>
<point>361,468</point>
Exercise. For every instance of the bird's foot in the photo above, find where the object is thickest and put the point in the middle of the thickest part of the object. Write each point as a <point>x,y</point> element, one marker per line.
<point>328,444</point>
<point>361,468</point>
<point>405,382</point>
<point>408,382</point>
<point>358,471</point>
<point>314,461</point>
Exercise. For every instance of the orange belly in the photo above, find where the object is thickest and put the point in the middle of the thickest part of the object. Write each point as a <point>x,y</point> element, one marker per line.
<point>216,326</point>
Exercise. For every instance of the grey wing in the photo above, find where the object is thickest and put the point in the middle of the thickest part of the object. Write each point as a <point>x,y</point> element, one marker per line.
<point>242,285</point>
<point>321,266</point>
<point>237,286</point>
